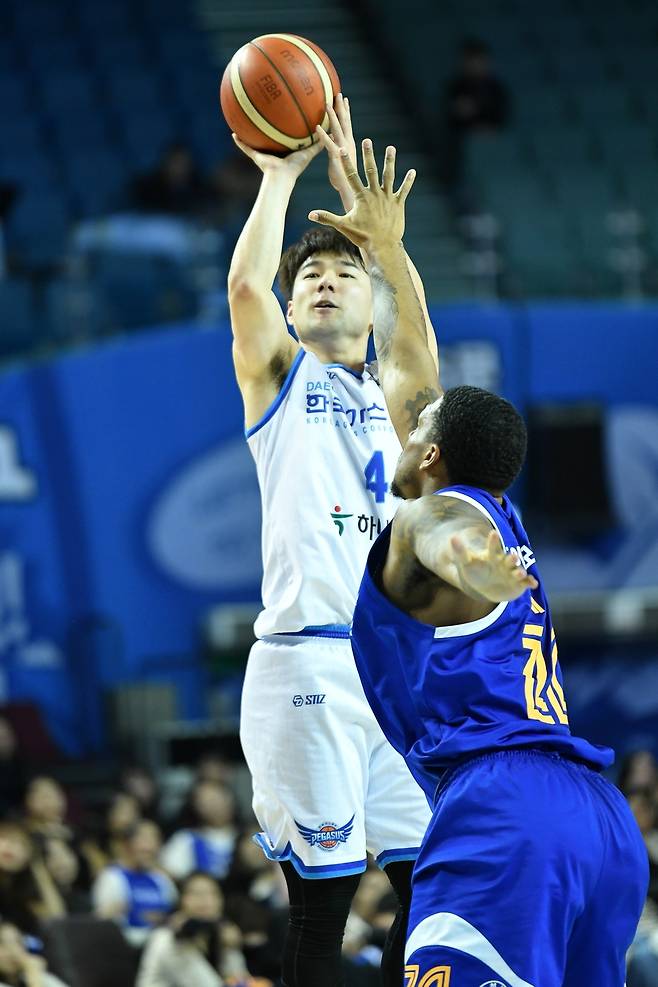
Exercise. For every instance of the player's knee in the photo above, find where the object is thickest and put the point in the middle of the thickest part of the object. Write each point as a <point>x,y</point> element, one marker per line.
<point>399,874</point>
<point>319,909</point>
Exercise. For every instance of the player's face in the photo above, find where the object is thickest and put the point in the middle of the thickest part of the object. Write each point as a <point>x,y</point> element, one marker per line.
<point>331,299</point>
<point>407,478</point>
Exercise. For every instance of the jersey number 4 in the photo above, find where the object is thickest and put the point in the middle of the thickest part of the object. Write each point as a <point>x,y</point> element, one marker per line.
<point>375,476</point>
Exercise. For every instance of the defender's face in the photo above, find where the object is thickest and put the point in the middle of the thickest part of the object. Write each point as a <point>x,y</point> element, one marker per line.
<point>331,298</point>
<point>406,481</point>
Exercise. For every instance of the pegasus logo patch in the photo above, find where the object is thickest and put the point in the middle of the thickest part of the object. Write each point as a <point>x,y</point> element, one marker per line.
<point>328,835</point>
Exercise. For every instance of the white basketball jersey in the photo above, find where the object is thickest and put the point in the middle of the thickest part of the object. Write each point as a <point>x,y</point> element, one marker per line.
<point>325,455</point>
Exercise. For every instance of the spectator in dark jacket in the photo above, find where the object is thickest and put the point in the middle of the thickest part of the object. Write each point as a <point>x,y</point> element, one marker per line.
<point>476,100</point>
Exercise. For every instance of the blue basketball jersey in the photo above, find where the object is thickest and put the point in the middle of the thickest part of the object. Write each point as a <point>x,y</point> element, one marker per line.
<point>445,694</point>
<point>150,893</point>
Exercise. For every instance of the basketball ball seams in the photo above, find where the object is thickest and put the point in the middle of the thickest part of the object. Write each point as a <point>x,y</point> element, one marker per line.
<point>285,82</point>
<point>253,114</point>
<point>315,59</point>
<point>276,130</point>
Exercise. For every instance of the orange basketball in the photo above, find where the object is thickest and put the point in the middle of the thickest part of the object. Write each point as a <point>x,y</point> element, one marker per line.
<point>275,92</point>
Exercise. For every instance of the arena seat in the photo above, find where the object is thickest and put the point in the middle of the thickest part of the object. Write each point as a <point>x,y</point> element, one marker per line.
<point>73,946</point>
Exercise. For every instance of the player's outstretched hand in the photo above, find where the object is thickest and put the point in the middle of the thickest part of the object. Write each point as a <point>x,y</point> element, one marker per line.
<point>340,137</point>
<point>493,573</point>
<point>377,215</point>
<point>293,164</point>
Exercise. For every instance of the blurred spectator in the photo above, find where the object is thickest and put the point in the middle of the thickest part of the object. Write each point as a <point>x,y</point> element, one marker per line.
<point>175,186</point>
<point>638,769</point>
<point>12,773</point>
<point>64,868</point>
<point>476,97</point>
<point>45,809</point>
<point>18,967</point>
<point>27,891</point>
<point>208,838</point>
<point>213,766</point>
<point>141,785</point>
<point>235,182</point>
<point>134,890</point>
<point>476,100</point>
<point>257,901</point>
<point>196,949</point>
<point>121,817</point>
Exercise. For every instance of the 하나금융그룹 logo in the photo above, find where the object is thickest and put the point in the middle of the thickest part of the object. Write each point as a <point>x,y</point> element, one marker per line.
<point>338,518</point>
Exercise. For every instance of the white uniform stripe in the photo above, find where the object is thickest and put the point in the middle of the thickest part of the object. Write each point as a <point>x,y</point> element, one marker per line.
<point>446,929</point>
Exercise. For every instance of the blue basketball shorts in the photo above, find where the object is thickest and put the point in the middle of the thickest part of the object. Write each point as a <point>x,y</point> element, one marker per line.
<point>533,873</point>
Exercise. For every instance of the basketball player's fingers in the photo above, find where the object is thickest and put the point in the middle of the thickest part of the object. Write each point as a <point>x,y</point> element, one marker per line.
<point>345,116</point>
<point>334,126</point>
<point>350,172</point>
<point>313,150</point>
<point>495,546</point>
<point>459,548</point>
<point>326,141</point>
<point>249,151</point>
<point>388,174</point>
<point>369,164</point>
<point>405,187</point>
<point>327,219</point>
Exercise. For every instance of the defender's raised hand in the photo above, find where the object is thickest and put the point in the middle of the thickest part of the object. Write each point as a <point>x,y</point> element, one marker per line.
<point>340,137</point>
<point>377,214</point>
<point>491,573</point>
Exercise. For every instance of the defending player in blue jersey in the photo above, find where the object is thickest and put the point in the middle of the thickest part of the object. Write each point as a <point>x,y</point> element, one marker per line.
<point>532,872</point>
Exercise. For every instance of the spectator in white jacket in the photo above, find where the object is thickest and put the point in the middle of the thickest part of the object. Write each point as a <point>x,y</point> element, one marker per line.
<point>196,949</point>
<point>206,840</point>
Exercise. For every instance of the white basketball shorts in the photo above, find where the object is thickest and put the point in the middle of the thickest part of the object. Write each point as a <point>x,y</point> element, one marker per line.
<point>327,785</point>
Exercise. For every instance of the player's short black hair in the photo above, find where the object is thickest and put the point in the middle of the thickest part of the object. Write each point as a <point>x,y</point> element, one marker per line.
<point>317,240</point>
<point>482,438</point>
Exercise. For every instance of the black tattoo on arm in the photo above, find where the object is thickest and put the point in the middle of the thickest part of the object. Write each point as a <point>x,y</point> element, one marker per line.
<point>419,518</point>
<point>414,406</point>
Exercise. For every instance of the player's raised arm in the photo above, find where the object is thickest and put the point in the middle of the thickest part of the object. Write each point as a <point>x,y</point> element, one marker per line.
<point>263,348</point>
<point>375,222</point>
<point>342,137</point>
<point>455,541</point>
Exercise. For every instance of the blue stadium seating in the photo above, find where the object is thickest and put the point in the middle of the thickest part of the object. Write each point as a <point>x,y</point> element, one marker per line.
<point>138,290</point>
<point>38,228</point>
<point>96,182</point>
<point>54,55</point>
<point>127,53</point>
<point>73,310</point>
<point>34,172</point>
<point>15,95</point>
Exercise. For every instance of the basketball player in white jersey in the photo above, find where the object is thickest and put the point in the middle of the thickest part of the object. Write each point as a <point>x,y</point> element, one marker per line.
<point>327,785</point>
